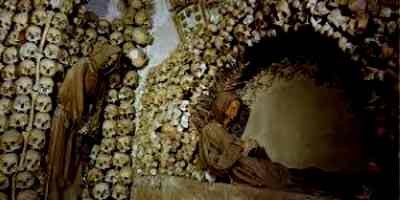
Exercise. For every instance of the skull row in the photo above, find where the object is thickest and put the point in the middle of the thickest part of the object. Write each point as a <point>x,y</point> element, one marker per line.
<point>126,111</point>
<point>9,162</point>
<point>102,191</point>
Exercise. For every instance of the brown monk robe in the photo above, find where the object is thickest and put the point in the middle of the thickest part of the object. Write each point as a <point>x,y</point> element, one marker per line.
<point>78,90</point>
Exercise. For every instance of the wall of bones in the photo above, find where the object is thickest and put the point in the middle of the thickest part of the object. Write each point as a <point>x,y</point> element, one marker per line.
<point>40,41</point>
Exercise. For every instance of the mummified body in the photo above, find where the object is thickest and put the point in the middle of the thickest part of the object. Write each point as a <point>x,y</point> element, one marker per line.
<point>80,89</point>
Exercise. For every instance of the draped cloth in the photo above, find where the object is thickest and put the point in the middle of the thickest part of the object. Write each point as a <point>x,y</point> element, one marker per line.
<point>78,89</point>
<point>223,155</point>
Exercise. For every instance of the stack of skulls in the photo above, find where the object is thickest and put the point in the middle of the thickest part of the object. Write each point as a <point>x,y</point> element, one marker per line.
<point>33,57</point>
<point>110,173</point>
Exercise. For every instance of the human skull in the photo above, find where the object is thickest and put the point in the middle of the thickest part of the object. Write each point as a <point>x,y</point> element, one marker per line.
<point>24,85</point>
<point>48,67</point>
<point>25,180</point>
<point>125,175</point>
<point>103,161</point>
<point>107,145</point>
<point>26,68</point>
<point>86,48</point>
<point>101,191</point>
<point>14,38</point>
<point>42,121</point>
<point>3,123</point>
<point>139,35</point>
<point>94,152</point>
<point>117,25</point>
<point>142,17</point>
<point>126,94</point>
<point>33,33</point>
<point>111,112</point>
<point>11,141</point>
<point>94,176</point>
<point>124,143</point>
<point>22,103</point>
<point>46,85</point>
<point>10,5</point>
<point>9,72</point>
<point>120,192</point>
<point>131,79</point>
<point>28,50</point>
<point>28,195</point>
<point>37,139</point>
<point>126,110</point>
<point>111,176</point>
<point>137,57</point>
<point>59,21</point>
<point>4,182</point>
<point>103,27</point>
<point>126,126</point>
<point>21,21</point>
<point>91,35</point>
<point>8,89</point>
<point>73,60</point>
<point>32,160</point>
<point>112,96</point>
<point>127,47</point>
<point>121,160</point>
<point>73,47</point>
<point>6,19</point>
<point>19,120</point>
<point>116,38</point>
<point>51,51</point>
<point>24,6</point>
<point>8,163</point>
<point>109,128</point>
<point>5,106</point>
<point>43,104</point>
<point>114,80</point>
<point>10,55</point>
<point>54,36</point>
<point>39,17</point>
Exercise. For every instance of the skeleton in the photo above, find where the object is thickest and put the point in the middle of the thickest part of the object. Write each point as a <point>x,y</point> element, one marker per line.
<point>21,21</point>
<point>19,120</point>
<point>48,67</point>
<point>54,36</point>
<point>101,191</point>
<point>43,104</point>
<point>117,38</point>
<point>5,23</point>
<point>25,180</point>
<point>95,175</point>
<point>125,126</point>
<point>111,176</point>
<point>52,51</point>
<point>46,85</point>
<point>32,160</point>
<point>11,141</point>
<point>22,104</point>
<point>124,143</point>
<point>4,182</point>
<point>126,94</point>
<point>103,27</point>
<point>131,79</point>
<point>33,33</point>
<point>8,163</point>
<point>59,21</point>
<point>120,192</point>
<point>42,121</point>
<point>26,68</point>
<point>10,55</point>
<point>112,96</point>
<point>37,139</point>
<point>7,89</point>
<point>109,128</point>
<point>28,50</point>
<point>9,72</point>
<point>121,160</point>
<point>3,123</point>
<point>107,145</point>
<point>111,112</point>
<point>39,17</point>
<point>126,110</point>
<point>125,175</point>
<point>103,161</point>
<point>137,57</point>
